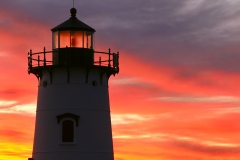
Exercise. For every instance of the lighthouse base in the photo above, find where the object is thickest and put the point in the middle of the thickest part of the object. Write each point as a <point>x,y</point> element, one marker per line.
<point>73,156</point>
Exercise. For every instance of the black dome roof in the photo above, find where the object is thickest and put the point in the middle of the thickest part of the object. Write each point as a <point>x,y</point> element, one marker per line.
<point>73,24</point>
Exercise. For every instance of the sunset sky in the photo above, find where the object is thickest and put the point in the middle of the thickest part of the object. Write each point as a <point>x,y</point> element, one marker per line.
<point>177,96</point>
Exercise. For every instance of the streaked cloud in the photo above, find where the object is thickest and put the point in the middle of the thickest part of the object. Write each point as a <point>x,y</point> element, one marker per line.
<point>216,99</point>
<point>226,110</point>
<point>129,118</point>
<point>3,54</point>
<point>149,137</point>
<point>183,142</point>
<point>131,82</point>
<point>4,103</point>
<point>23,108</point>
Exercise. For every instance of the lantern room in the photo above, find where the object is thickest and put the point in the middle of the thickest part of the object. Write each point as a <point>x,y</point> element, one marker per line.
<point>72,39</point>
<point>72,46</point>
<point>73,42</point>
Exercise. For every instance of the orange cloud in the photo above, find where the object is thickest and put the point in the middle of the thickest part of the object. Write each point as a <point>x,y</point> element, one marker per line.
<point>16,134</point>
<point>158,112</point>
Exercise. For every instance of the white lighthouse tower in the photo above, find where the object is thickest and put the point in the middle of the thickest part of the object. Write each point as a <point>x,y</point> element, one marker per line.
<point>73,114</point>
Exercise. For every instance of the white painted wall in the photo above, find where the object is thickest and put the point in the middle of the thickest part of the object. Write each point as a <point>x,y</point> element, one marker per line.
<point>93,140</point>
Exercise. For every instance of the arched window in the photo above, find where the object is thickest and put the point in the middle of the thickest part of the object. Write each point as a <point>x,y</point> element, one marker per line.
<point>67,131</point>
<point>68,123</point>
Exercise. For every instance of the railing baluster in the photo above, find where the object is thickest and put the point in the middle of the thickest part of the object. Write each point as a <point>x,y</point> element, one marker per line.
<point>109,52</point>
<point>118,61</point>
<point>38,60</point>
<point>30,59</point>
<point>44,57</point>
<point>28,62</point>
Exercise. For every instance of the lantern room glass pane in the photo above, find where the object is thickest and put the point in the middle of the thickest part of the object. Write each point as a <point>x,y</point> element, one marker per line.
<point>92,40</point>
<point>87,40</point>
<point>77,39</point>
<point>55,40</point>
<point>64,39</point>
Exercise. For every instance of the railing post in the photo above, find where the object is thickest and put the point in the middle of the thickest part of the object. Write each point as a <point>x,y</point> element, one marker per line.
<point>118,61</point>
<point>38,60</point>
<point>28,63</point>
<point>30,59</point>
<point>100,61</point>
<point>109,61</point>
<point>44,57</point>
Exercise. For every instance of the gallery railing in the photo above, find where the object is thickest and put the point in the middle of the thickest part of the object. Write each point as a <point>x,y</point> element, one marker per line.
<point>45,59</point>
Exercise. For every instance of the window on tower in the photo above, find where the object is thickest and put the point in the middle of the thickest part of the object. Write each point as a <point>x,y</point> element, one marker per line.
<point>67,131</point>
<point>68,123</point>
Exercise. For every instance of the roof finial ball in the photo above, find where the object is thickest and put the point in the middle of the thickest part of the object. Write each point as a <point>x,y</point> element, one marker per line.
<point>73,12</point>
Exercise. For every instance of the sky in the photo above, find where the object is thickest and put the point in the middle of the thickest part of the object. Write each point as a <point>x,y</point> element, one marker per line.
<point>177,95</point>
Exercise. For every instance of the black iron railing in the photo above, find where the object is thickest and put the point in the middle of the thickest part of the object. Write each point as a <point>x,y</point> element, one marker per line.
<point>45,59</point>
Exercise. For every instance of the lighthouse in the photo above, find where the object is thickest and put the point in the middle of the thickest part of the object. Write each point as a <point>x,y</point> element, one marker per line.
<point>73,113</point>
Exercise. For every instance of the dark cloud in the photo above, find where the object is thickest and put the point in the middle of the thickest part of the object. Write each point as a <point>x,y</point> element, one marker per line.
<point>202,35</point>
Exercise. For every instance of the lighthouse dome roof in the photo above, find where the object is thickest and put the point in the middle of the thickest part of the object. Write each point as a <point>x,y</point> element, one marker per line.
<point>73,24</point>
